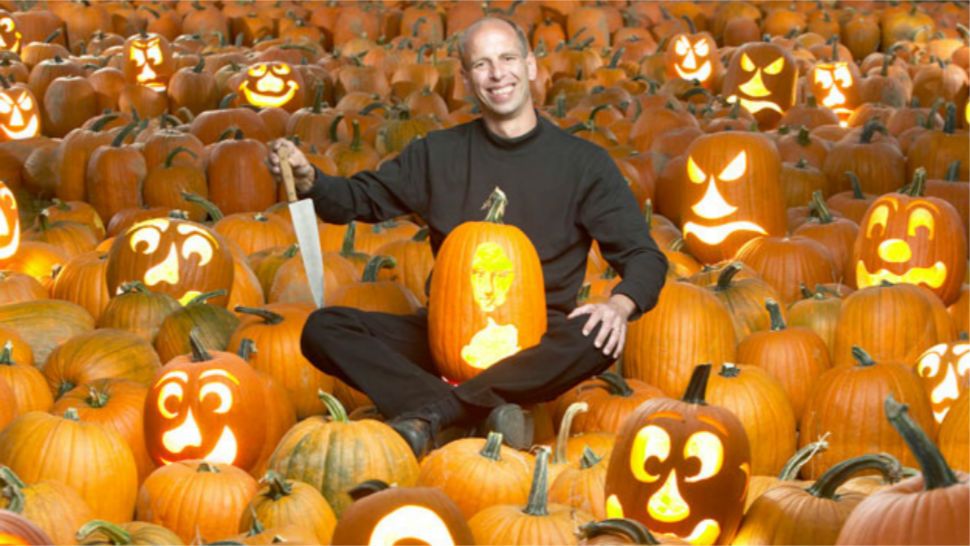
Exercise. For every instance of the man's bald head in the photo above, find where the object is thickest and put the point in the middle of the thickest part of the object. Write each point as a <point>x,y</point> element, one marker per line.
<point>467,34</point>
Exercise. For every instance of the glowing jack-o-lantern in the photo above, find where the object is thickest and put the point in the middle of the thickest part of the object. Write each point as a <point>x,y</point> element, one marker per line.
<point>731,194</point>
<point>907,238</point>
<point>149,61</point>
<point>762,77</point>
<point>945,371</point>
<point>401,515</point>
<point>10,37</point>
<point>273,85</point>
<point>835,85</point>
<point>681,467</point>
<point>177,257</point>
<point>19,116</point>
<point>693,57</point>
<point>9,223</point>
<point>487,297</point>
<point>206,406</point>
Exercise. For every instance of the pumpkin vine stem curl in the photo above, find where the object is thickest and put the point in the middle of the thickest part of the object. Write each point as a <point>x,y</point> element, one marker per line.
<point>12,490</point>
<point>727,276</point>
<point>565,429</point>
<point>268,316</point>
<point>827,484</point>
<point>801,457</point>
<point>616,384</point>
<point>115,534</point>
<point>936,472</point>
<point>495,205</point>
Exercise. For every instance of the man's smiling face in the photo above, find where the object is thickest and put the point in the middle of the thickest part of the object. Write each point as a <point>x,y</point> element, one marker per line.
<point>498,69</point>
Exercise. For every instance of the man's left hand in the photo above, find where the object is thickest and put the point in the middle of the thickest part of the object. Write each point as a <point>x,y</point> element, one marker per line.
<point>612,316</point>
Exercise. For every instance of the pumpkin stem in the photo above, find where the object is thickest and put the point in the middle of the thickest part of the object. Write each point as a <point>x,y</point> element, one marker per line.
<point>355,143</point>
<point>648,212</point>
<point>869,131</point>
<point>856,185</point>
<point>615,384</point>
<point>615,59</point>
<point>632,529</point>
<point>811,101</point>
<point>226,101</point>
<point>538,504</point>
<point>862,357</point>
<point>727,276</point>
<point>278,486</point>
<point>115,534</point>
<point>774,310</point>
<point>333,127</point>
<point>374,265</point>
<point>801,457</point>
<point>367,488</point>
<point>729,370</point>
<point>804,137</point>
<point>583,295</point>
<point>493,447</point>
<point>334,407</point>
<point>953,171</point>
<point>421,235</point>
<point>268,316</point>
<point>134,286</point>
<point>347,246</point>
<point>918,186</point>
<point>495,205</point>
<point>697,387</point>
<point>820,208</point>
<point>367,110</point>
<point>71,414</point>
<point>937,473</point>
<point>565,428</point>
<point>206,296</point>
<point>98,125</point>
<point>6,354</point>
<point>171,155</point>
<point>950,125</point>
<point>826,485</point>
<point>96,398</point>
<point>199,353</point>
<point>120,137</point>
<point>317,99</point>
<point>246,349</point>
<point>589,459</point>
<point>12,490</point>
<point>199,65</point>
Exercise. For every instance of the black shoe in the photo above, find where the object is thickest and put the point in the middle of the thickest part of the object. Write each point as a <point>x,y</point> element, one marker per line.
<point>416,432</point>
<point>514,423</point>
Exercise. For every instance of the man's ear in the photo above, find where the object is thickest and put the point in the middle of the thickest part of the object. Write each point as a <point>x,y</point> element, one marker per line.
<point>530,61</point>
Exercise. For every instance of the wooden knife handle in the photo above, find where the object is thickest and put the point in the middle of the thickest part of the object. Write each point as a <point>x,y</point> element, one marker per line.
<point>287,171</point>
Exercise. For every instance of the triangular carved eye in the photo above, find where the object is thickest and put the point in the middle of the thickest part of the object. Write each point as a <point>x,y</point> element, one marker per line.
<point>701,48</point>
<point>681,46</point>
<point>735,169</point>
<point>694,172</point>
<point>746,63</point>
<point>776,66</point>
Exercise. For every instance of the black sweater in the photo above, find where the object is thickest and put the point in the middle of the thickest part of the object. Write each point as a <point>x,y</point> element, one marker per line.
<point>563,192</point>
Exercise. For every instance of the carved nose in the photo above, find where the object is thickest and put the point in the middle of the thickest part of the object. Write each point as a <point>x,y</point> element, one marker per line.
<point>895,251</point>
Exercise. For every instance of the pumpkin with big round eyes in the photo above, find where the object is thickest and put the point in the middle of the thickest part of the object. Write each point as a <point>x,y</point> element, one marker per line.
<point>207,406</point>
<point>731,194</point>
<point>693,57</point>
<point>681,467</point>
<point>149,61</point>
<point>909,238</point>
<point>171,255</point>
<point>945,373</point>
<point>762,77</point>
<point>272,85</point>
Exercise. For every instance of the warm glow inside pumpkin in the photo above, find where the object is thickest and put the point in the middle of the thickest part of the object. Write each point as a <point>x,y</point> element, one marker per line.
<point>270,85</point>
<point>149,61</point>
<point>693,57</point>
<point>10,36</point>
<point>945,371</point>
<point>762,77</point>
<point>835,85</point>
<point>19,117</point>
<point>9,223</point>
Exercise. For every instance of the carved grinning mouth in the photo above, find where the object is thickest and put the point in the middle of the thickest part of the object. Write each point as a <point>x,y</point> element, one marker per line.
<point>933,276</point>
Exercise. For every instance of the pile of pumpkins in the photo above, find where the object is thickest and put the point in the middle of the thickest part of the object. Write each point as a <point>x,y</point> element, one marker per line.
<point>803,165</point>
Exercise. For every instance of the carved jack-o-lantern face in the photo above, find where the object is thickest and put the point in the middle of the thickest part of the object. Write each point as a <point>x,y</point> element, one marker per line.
<point>945,371</point>
<point>403,515</point>
<point>19,117</point>
<point>9,223</point>
<point>762,77</point>
<point>209,410</point>
<point>10,36</point>
<point>836,86</point>
<point>693,57</point>
<point>149,61</point>
<point>915,240</point>
<point>681,469</point>
<point>731,194</point>
<point>274,85</point>
<point>180,258</point>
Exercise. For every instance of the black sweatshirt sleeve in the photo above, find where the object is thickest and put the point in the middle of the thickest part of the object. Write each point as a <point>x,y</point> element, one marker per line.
<point>610,214</point>
<point>398,187</point>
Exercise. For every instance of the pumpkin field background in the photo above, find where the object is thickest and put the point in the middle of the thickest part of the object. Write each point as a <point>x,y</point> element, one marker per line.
<point>803,378</point>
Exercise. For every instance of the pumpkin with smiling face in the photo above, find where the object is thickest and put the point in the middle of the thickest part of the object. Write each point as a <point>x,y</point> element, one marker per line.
<point>207,406</point>
<point>19,116</point>
<point>693,57</point>
<point>908,238</point>
<point>945,373</point>
<point>171,255</point>
<point>731,194</point>
<point>763,78</point>
<point>10,36</point>
<point>272,85</point>
<point>9,223</point>
<point>148,61</point>
<point>681,467</point>
<point>835,85</point>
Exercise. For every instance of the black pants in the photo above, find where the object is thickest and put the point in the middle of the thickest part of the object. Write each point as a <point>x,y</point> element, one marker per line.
<point>388,358</point>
